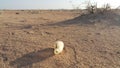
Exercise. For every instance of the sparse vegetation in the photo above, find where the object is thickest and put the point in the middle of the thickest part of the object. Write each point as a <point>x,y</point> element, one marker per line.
<point>105,8</point>
<point>93,8</point>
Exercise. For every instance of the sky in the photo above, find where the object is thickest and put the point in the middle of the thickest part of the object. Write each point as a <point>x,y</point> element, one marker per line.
<point>52,4</point>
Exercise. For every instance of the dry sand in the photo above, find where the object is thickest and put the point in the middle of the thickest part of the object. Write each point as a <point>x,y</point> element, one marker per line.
<point>27,38</point>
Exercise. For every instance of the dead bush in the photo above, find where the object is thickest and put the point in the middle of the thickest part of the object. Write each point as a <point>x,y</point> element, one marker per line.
<point>93,8</point>
<point>106,7</point>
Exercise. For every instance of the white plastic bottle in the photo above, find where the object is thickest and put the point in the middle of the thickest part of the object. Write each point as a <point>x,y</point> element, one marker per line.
<point>59,46</point>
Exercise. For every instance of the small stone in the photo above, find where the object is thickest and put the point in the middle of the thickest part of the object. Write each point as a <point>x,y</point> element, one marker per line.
<point>47,32</point>
<point>118,52</point>
<point>97,33</point>
<point>5,59</point>
<point>17,13</point>
<point>89,33</point>
<point>30,32</point>
<point>12,33</point>
<point>42,34</point>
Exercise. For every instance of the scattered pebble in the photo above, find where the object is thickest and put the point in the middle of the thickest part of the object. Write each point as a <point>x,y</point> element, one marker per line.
<point>98,33</point>
<point>5,59</point>
<point>11,33</point>
<point>118,52</point>
<point>29,32</point>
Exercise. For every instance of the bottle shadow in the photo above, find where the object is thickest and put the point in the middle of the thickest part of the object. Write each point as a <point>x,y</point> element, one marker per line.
<point>33,57</point>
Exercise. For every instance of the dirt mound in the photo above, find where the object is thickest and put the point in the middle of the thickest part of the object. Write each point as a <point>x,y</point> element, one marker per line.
<point>107,18</point>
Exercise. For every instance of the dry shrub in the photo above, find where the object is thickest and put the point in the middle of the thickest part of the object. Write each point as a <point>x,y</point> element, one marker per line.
<point>105,8</point>
<point>93,8</point>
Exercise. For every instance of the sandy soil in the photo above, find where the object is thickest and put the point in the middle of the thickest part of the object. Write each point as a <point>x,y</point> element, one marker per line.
<point>27,38</point>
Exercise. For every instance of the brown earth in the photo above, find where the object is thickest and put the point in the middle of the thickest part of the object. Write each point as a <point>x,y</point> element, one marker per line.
<point>27,38</point>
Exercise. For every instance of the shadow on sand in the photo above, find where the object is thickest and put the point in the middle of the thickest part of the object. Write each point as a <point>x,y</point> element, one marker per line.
<point>33,57</point>
<point>109,18</point>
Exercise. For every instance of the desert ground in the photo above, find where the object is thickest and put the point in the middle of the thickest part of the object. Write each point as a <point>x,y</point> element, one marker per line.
<point>27,38</point>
